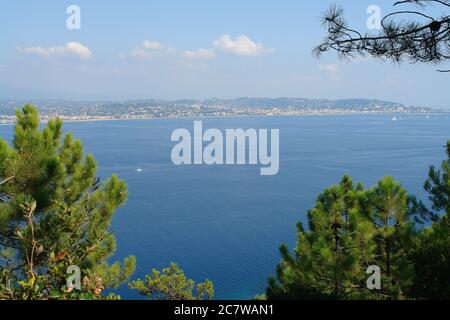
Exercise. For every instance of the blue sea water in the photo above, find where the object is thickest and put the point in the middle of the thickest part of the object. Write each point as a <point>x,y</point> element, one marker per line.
<point>226,223</point>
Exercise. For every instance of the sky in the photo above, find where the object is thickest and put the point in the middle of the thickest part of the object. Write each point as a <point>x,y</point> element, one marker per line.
<point>198,49</point>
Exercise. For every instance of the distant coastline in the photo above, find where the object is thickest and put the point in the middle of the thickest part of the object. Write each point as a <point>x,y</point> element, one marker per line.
<point>93,119</point>
<point>71,111</point>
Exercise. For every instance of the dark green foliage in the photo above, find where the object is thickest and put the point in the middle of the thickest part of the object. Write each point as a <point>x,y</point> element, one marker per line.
<point>431,261</point>
<point>431,256</point>
<point>388,213</point>
<point>55,213</point>
<point>351,229</point>
<point>172,284</point>
<point>329,258</point>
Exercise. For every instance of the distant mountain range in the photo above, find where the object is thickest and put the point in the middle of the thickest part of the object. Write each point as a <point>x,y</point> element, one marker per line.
<point>154,108</point>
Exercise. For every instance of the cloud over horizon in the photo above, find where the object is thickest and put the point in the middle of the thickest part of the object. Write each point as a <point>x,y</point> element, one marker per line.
<point>240,46</point>
<point>72,49</point>
<point>148,49</point>
<point>200,53</point>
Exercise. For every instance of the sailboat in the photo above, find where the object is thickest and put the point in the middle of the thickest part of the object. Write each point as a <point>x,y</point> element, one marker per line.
<point>394,118</point>
<point>139,169</point>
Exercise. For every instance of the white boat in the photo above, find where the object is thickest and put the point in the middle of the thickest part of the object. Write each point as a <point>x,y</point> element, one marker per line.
<point>394,119</point>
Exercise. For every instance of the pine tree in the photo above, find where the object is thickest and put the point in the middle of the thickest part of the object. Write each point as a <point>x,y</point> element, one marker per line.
<point>55,213</point>
<point>332,256</point>
<point>350,229</point>
<point>172,284</point>
<point>431,255</point>
<point>393,235</point>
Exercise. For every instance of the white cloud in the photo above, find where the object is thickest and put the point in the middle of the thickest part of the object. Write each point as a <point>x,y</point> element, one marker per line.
<point>329,68</point>
<point>240,46</point>
<point>152,45</point>
<point>141,53</point>
<point>148,49</point>
<point>200,53</point>
<point>71,49</point>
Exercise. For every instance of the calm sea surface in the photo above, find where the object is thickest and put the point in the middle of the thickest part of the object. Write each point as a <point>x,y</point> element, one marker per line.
<point>225,223</point>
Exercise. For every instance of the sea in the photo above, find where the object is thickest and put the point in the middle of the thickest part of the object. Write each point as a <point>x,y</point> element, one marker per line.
<point>226,223</point>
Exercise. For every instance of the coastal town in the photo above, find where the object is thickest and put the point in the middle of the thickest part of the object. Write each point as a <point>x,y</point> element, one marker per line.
<point>154,109</point>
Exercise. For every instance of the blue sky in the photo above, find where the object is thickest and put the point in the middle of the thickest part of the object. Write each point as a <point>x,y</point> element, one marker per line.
<point>195,49</point>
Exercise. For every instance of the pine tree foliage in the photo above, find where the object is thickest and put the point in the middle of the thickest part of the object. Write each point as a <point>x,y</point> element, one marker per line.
<point>411,33</point>
<point>330,257</point>
<point>172,284</point>
<point>55,213</point>
<point>431,255</point>
<point>388,213</point>
<point>351,229</point>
